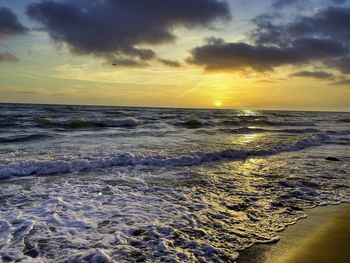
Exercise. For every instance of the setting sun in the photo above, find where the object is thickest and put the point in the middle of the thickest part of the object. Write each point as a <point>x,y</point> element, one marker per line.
<point>217,103</point>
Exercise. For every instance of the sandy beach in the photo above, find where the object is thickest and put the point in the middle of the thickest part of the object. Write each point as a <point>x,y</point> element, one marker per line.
<point>324,236</point>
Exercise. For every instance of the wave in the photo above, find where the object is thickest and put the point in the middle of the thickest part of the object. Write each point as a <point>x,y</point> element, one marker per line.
<point>54,167</point>
<point>346,132</point>
<point>345,120</point>
<point>8,123</point>
<point>194,123</point>
<point>24,138</point>
<point>127,122</point>
<point>79,124</point>
<point>248,130</point>
<point>191,124</point>
<point>238,122</point>
<point>262,130</point>
<point>282,114</point>
<point>286,123</point>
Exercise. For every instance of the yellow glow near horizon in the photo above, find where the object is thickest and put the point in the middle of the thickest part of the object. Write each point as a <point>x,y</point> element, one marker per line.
<point>217,103</point>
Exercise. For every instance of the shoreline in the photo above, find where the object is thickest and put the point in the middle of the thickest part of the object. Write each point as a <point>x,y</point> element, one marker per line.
<point>323,236</point>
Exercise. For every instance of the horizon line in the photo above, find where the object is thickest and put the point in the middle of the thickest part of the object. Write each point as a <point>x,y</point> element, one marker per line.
<point>175,107</point>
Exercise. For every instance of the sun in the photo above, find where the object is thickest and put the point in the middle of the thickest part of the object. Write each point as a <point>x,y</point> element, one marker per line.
<point>217,103</point>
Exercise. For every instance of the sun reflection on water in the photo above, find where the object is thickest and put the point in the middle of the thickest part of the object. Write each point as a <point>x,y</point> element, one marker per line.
<point>248,138</point>
<point>248,113</point>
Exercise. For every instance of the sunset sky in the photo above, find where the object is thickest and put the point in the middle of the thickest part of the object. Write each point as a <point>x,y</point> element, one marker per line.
<point>263,54</point>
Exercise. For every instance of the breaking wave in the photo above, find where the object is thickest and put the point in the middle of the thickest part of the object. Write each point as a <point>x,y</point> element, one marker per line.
<point>265,122</point>
<point>262,130</point>
<point>28,168</point>
<point>245,130</point>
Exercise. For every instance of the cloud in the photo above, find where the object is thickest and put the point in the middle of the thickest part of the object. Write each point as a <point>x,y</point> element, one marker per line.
<point>284,3</point>
<point>339,2</point>
<point>325,34</point>
<point>341,63</point>
<point>322,37</point>
<point>327,24</point>
<point>9,24</point>
<point>126,62</point>
<point>266,81</point>
<point>219,55</point>
<point>342,82</point>
<point>115,29</point>
<point>170,63</point>
<point>313,74</point>
<point>8,57</point>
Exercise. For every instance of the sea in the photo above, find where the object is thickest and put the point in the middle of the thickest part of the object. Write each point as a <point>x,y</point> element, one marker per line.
<point>120,184</point>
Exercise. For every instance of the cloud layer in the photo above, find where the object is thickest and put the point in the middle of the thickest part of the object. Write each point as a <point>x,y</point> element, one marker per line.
<point>9,24</point>
<point>313,74</point>
<point>220,55</point>
<point>8,57</point>
<point>115,29</point>
<point>322,38</point>
<point>285,3</point>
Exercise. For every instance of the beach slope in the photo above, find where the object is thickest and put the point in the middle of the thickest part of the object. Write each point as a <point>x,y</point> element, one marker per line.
<point>322,237</point>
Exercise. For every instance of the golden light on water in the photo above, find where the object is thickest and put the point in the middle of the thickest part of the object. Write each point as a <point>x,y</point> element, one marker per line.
<point>248,138</point>
<point>248,113</point>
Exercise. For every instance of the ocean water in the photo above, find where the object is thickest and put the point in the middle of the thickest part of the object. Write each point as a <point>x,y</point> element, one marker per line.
<point>109,184</point>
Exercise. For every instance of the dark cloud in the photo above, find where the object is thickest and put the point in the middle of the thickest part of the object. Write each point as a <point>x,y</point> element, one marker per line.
<point>219,55</point>
<point>115,29</point>
<point>323,37</point>
<point>170,63</point>
<point>8,57</point>
<point>329,24</point>
<point>313,74</point>
<point>284,3</point>
<point>9,24</point>
<point>339,2</point>
<point>318,48</point>
<point>341,63</point>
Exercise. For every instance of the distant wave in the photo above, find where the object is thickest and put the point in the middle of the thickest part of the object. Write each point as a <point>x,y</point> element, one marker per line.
<point>262,130</point>
<point>7,123</point>
<point>24,138</point>
<point>248,130</point>
<point>246,121</point>
<point>191,124</point>
<point>345,120</point>
<point>345,132</point>
<point>55,167</point>
<point>282,114</point>
<point>238,122</point>
<point>78,124</point>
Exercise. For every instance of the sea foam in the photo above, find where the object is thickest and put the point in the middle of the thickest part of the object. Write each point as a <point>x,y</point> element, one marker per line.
<point>26,168</point>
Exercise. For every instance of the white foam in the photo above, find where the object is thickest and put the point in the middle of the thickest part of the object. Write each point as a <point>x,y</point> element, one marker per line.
<point>161,214</point>
<point>34,167</point>
<point>127,122</point>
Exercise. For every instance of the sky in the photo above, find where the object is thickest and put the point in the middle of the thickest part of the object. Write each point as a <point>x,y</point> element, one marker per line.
<point>256,54</point>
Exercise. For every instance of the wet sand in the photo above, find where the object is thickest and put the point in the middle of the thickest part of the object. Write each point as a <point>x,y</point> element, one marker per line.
<point>324,236</point>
